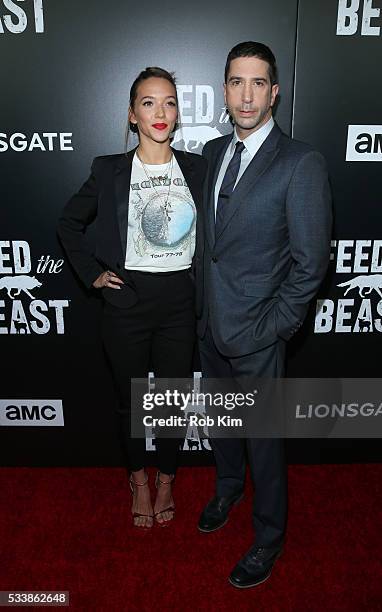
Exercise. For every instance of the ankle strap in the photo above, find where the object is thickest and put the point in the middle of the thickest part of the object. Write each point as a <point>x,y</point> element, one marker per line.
<point>139,484</point>
<point>164,482</point>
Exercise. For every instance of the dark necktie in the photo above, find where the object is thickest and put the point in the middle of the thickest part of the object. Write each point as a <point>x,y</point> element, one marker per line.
<point>227,186</point>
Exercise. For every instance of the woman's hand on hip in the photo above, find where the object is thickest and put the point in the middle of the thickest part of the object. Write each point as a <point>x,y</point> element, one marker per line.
<point>108,279</point>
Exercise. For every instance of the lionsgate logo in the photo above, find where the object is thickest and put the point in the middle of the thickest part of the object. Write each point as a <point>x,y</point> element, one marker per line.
<point>14,19</point>
<point>22,312</point>
<point>362,310</point>
<point>200,120</point>
<point>31,412</point>
<point>364,143</point>
<point>358,17</point>
<point>46,141</point>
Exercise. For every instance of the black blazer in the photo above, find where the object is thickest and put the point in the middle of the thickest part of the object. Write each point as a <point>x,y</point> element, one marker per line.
<point>105,196</point>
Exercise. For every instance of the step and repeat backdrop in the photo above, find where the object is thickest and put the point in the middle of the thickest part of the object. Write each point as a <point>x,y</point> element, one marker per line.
<point>66,71</point>
<point>337,108</point>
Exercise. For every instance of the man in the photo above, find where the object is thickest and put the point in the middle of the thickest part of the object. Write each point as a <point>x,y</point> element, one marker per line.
<point>267,224</point>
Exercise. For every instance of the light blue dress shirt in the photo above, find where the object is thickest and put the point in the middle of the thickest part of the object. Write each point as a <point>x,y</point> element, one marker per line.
<point>252,144</point>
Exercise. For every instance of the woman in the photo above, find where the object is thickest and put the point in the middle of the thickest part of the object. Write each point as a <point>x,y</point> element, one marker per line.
<point>145,202</point>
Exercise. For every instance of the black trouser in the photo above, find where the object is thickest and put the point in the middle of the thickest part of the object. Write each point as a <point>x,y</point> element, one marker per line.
<point>266,457</point>
<point>159,333</point>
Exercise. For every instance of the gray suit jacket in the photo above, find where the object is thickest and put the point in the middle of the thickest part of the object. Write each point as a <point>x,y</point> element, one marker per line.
<point>256,279</point>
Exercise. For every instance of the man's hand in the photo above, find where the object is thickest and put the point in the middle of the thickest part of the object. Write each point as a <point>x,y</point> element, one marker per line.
<point>108,279</point>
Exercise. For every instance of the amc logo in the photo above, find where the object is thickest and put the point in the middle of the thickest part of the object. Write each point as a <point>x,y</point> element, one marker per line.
<point>364,143</point>
<point>40,413</point>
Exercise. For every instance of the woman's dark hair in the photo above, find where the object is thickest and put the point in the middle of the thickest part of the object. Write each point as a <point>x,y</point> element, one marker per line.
<point>147,73</point>
<point>253,49</point>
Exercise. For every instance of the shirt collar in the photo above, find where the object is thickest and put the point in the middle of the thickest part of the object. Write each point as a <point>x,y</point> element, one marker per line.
<point>253,142</point>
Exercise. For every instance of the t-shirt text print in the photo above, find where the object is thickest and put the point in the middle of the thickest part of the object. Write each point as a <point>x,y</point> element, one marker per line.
<point>162,218</point>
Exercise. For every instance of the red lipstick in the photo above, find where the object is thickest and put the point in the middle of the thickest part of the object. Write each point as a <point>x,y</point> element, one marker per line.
<point>160,126</point>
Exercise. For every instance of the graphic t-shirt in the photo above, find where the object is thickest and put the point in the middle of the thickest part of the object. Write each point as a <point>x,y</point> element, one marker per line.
<point>162,219</point>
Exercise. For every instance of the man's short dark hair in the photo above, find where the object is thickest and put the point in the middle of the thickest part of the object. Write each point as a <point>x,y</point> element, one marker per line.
<point>253,49</point>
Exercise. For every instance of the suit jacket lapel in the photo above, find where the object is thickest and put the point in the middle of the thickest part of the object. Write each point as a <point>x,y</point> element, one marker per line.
<point>261,161</point>
<point>188,171</point>
<point>122,176</point>
<point>210,193</point>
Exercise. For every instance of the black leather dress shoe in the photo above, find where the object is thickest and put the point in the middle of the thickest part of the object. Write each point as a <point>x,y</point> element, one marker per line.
<point>255,567</point>
<point>215,514</point>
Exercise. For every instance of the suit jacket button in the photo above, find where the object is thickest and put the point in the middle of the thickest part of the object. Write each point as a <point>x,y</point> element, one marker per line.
<point>214,259</point>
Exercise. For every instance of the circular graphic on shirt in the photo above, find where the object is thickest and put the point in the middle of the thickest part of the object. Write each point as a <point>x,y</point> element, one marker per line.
<point>167,226</point>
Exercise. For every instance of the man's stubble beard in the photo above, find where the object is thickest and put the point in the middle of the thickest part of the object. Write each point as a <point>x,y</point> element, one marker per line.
<point>257,121</point>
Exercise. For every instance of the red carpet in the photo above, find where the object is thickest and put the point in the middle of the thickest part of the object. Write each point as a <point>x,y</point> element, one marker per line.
<point>70,529</point>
